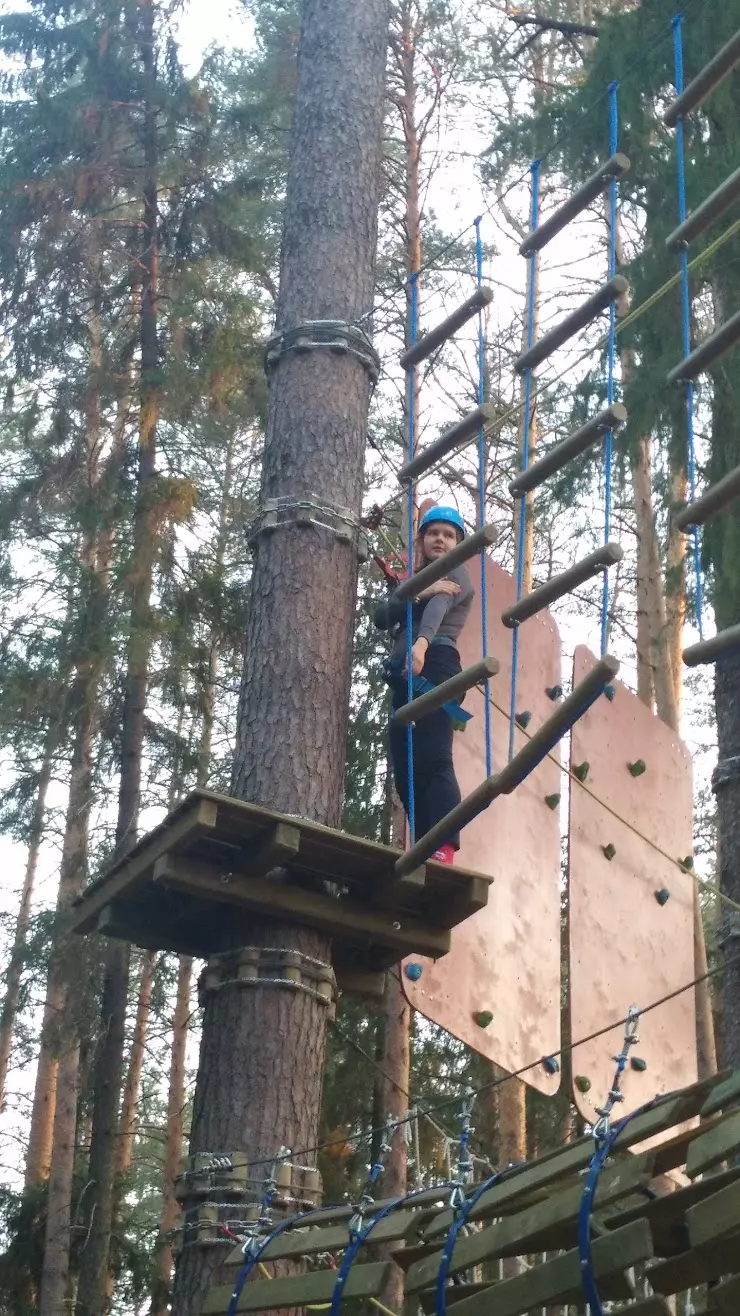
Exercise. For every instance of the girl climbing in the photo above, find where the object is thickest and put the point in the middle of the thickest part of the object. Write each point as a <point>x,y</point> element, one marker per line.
<point>438,615</point>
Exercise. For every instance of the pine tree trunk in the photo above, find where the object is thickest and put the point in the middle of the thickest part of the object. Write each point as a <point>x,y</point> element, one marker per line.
<point>23,919</point>
<point>675,591</point>
<point>56,1281</point>
<point>99,1200</point>
<point>173,1145</point>
<point>262,1052</point>
<point>132,1087</point>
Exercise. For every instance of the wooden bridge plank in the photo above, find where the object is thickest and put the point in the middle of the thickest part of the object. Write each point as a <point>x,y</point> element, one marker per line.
<point>708,1149</point>
<point>726,1093</point>
<point>300,1290</point>
<point>715,1218</point>
<point>333,1238</point>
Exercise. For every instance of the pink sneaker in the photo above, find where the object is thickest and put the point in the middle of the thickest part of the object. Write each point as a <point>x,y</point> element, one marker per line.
<point>445,854</point>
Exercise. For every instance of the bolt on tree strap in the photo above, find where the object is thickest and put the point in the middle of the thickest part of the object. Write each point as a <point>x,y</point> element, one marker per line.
<point>264,966</point>
<point>338,336</point>
<point>309,512</point>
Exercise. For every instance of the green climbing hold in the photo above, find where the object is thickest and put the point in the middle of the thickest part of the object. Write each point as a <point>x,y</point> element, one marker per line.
<point>609,851</point>
<point>483,1018</point>
<point>610,692</point>
<point>663,896</point>
<point>582,1083</point>
<point>638,1064</point>
<point>552,801</point>
<point>637,768</point>
<point>688,863</point>
<point>581,771</point>
<point>554,692</point>
<point>523,719</point>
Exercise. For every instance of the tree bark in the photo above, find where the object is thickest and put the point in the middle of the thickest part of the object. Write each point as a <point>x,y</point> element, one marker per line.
<point>262,1052</point>
<point>99,1199</point>
<point>132,1087</point>
<point>173,1145</point>
<point>56,1292</point>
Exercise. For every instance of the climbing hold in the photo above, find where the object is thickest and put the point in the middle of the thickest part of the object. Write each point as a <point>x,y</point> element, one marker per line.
<point>609,851</point>
<point>581,771</point>
<point>523,719</point>
<point>413,972</point>
<point>582,1083</point>
<point>663,896</point>
<point>483,1018</point>
<point>551,1065</point>
<point>637,768</point>
<point>610,692</point>
<point>552,801</point>
<point>554,692</point>
<point>639,1064</point>
<point>688,863</point>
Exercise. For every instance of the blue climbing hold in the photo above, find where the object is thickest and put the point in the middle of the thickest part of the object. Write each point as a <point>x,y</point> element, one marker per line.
<point>551,1065</point>
<point>414,971</point>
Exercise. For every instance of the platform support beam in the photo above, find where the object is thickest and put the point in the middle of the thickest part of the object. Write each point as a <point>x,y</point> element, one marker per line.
<point>430,341</point>
<point>613,291</point>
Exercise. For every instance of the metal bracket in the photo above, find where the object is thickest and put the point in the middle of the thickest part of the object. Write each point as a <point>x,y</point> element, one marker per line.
<point>310,512</point>
<point>265,966</point>
<point>726,771</point>
<point>338,336</point>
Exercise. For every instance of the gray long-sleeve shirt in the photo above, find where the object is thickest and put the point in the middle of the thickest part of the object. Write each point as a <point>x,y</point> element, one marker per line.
<point>443,615</point>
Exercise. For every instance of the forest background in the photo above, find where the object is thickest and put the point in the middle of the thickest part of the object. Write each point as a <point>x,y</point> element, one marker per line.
<point>140,191</point>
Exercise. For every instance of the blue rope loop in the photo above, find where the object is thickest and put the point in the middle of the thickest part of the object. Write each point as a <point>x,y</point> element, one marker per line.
<point>359,1238</point>
<point>526,429</point>
<point>253,1256</point>
<point>481,509</point>
<point>678,79</point>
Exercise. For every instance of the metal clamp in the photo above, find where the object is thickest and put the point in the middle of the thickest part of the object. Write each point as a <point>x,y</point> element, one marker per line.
<point>310,512</point>
<point>338,336</point>
<point>266,966</point>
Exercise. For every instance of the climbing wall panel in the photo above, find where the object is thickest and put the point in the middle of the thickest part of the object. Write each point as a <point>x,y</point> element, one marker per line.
<point>626,947</point>
<point>505,960</point>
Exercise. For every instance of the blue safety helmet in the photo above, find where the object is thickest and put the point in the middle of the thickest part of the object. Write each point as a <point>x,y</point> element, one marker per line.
<point>449,514</point>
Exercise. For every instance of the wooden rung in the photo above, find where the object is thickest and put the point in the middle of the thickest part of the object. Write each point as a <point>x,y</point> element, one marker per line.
<point>695,1267</point>
<point>530,755</point>
<point>616,167</point>
<point>447,443</point>
<point>556,588</point>
<point>707,352</point>
<point>666,1215</point>
<point>708,1149</point>
<point>565,451</point>
<point>715,205</point>
<point>473,544</point>
<point>616,288</point>
<point>716,497</point>
<point>338,918</point>
<point>309,1242</point>
<point>448,690</point>
<point>430,341</point>
<point>705,82</point>
<point>725,1093</point>
<point>612,1288</point>
<point>654,1305</point>
<point>726,1297</point>
<point>554,1280</point>
<point>547,1227</point>
<point>708,651</point>
<point>300,1290</point>
<point>717,1217</point>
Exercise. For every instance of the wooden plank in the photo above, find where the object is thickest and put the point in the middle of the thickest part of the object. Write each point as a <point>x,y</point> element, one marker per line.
<point>695,1267</point>
<point>655,1305</point>
<point>311,1241</point>
<point>710,1148</point>
<point>129,921</point>
<point>666,1215</point>
<point>338,918</point>
<point>193,823</point>
<point>549,1226</point>
<point>358,982</point>
<point>725,1093</point>
<point>300,1290</point>
<point>715,1218</point>
<point>612,1288</point>
<point>557,1279</point>
<point>725,1297</point>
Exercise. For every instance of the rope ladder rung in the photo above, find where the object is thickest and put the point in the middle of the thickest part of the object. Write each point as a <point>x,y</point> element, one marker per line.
<point>446,444</point>
<point>614,168</point>
<point>705,82</point>
<point>612,291</point>
<point>710,209</point>
<point>564,583</point>
<point>429,342</point>
<point>448,690</point>
<point>561,453</point>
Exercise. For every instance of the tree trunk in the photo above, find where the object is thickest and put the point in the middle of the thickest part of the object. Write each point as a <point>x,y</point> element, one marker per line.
<point>173,1145</point>
<point>56,1282</point>
<point>23,919</point>
<point>99,1198</point>
<point>675,588</point>
<point>132,1088</point>
<point>262,1052</point>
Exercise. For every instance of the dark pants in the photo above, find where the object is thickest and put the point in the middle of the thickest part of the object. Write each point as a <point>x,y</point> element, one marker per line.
<point>435,785</point>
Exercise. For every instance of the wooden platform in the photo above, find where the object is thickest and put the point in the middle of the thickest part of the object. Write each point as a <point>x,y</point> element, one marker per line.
<point>679,1234</point>
<point>193,884</point>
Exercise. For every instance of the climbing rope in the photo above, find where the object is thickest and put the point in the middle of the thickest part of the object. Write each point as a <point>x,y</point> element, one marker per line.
<point>677,26</point>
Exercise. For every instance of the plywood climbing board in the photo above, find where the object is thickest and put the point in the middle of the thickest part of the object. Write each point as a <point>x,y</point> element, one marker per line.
<point>505,960</point>
<point>195,883</point>
<point>650,1238</point>
<point>631,937</point>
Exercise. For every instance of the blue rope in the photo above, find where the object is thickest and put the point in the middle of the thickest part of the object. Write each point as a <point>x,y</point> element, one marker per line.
<point>482,490</point>
<point>611,353</point>
<point>253,1257</point>
<point>531,304</point>
<point>677,25</point>
<point>359,1238</point>
<point>457,1224</point>
<point>413,331</point>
